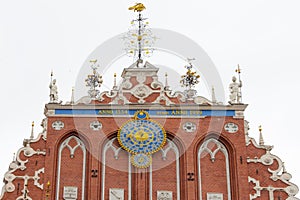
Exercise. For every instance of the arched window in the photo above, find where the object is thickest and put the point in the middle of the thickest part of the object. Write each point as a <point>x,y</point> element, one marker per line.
<point>213,171</point>
<point>71,168</point>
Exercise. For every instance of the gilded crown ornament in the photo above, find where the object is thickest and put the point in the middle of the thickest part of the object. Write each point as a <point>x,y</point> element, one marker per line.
<point>94,80</point>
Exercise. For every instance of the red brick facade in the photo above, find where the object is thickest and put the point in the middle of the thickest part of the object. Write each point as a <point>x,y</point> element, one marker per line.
<point>206,162</point>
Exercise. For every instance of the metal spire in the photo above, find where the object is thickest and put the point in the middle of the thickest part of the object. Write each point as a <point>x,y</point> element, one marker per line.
<point>139,39</point>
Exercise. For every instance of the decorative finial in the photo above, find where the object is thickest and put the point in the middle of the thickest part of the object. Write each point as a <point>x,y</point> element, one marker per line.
<point>32,130</point>
<point>261,139</point>
<point>94,80</point>
<point>72,96</point>
<point>213,95</point>
<point>167,87</point>
<point>115,82</point>
<point>283,168</point>
<point>48,190</point>
<point>53,90</point>
<point>189,79</point>
<point>139,39</point>
<point>14,157</point>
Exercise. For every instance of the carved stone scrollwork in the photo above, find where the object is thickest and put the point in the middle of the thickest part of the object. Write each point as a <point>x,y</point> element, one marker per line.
<point>267,160</point>
<point>126,84</point>
<point>9,177</point>
<point>291,190</point>
<point>141,92</point>
<point>10,187</point>
<point>110,94</point>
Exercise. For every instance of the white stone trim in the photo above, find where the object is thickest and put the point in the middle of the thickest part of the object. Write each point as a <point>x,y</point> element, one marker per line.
<point>109,145</point>
<point>222,148</point>
<point>72,151</point>
<point>267,160</point>
<point>164,152</point>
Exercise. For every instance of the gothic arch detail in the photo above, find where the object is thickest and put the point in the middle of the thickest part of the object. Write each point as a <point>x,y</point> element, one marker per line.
<point>165,152</point>
<point>73,147</point>
<point>211,148</point>
<point>117,150</point>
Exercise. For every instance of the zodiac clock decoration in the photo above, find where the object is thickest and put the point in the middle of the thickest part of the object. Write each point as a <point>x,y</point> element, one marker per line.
<point>141,137</point>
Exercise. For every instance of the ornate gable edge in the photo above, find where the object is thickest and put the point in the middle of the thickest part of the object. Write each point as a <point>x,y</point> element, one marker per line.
<point>143,92</point>
<point>19,164</point>
<point>280,174</point>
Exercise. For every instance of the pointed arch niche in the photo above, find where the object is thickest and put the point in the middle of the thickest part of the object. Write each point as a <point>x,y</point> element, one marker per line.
<point>213,170</point>
<point>165,172</point>
<point>116,169</point>
<point>116,161</point>
<point>71,167</point>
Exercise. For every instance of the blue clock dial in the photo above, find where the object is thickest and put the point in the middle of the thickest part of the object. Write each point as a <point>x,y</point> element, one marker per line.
<point>141,136</point>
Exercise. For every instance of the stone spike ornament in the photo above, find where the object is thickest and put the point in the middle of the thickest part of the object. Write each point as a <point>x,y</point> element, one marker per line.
<point>94,80</point>
<point>139,39</point>
<point>32,131</point>
<point>261,139</point>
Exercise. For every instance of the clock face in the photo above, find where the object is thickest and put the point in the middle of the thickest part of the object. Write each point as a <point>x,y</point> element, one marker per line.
<point>141,160</point>
<point>231,127</point>
<point>116,194</point>
<point>141,136</point>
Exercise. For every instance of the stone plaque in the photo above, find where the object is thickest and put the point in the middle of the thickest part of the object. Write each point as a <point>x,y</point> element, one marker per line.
<point>116,194</point>
<point>214,196</point>
<point>164,195</point>
<point>70,192</point>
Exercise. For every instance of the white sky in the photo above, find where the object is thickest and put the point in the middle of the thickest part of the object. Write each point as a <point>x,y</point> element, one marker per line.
<point>260,35</point>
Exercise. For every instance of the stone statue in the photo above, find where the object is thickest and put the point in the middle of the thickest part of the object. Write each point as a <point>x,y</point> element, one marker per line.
<point>235,91</point>
<point>53,91</point>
